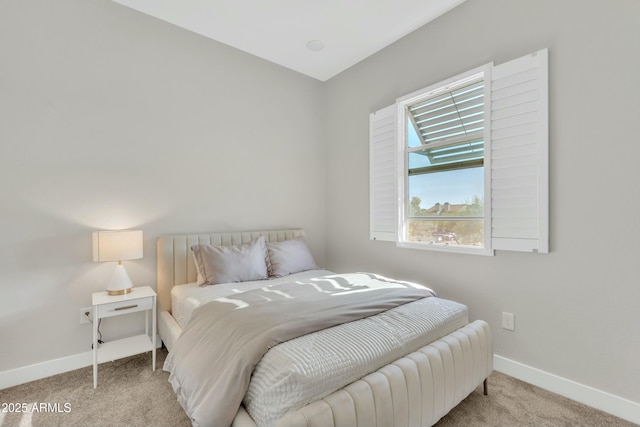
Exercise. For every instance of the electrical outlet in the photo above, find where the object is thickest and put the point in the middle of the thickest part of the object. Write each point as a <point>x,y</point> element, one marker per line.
<point>508,321</point>
<point>86,318</point>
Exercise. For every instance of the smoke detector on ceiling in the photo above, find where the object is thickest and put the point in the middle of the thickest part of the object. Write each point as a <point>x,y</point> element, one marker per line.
<point>315,45</point>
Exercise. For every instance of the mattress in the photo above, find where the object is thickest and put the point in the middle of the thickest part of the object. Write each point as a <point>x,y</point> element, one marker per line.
<point>312,366</point>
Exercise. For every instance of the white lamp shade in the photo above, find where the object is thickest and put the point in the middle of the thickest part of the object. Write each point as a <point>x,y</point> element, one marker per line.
<point>117,245</point>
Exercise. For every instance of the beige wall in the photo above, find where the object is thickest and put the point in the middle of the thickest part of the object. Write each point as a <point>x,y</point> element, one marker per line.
<point>113,119</point>
<point>576,309</point>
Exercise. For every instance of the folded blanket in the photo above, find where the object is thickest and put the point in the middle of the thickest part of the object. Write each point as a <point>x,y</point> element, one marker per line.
<point>212,361</point>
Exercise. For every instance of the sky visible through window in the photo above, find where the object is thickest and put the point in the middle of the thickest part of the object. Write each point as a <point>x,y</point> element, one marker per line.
<point>454,187</point>
<point>457,186</point>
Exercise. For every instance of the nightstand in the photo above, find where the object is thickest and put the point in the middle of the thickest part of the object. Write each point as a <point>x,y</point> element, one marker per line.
<point>141,298</point>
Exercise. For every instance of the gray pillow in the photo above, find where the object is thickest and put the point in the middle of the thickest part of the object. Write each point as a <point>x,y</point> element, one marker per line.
<point>228,264</point>
<point>288,257</point>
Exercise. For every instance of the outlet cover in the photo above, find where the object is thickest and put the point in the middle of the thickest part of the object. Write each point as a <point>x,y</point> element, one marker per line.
<point>508,321</point>
<point>86,318</point>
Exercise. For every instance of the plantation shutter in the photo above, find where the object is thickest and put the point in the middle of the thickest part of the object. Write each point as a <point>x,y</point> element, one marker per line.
<point>519,154</point>
<point>383,175</point>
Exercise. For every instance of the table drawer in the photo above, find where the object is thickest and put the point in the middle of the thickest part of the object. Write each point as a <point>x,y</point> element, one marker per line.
<point>124,307</point>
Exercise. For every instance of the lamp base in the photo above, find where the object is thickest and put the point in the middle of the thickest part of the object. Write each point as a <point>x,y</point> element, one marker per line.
<point>119,292</point>
<point>119,284</point>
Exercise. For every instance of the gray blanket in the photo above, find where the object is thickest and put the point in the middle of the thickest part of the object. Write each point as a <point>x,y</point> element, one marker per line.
<point>212,361</point>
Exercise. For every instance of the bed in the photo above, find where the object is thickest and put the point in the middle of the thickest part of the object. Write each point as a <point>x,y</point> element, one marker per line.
<point>419,375</point>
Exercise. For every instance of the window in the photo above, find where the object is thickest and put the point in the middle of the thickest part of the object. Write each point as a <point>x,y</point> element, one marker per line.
<point>443,171</point>
<point>463,164</point>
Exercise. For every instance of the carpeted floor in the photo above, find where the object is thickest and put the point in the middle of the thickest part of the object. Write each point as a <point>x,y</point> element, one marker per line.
<point>130,394</point>
<point>512,402</point>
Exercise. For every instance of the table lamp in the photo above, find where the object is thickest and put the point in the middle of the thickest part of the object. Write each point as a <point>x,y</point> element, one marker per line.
<point>118,246</point>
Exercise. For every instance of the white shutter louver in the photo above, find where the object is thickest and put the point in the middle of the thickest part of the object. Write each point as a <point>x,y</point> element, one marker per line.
<point>519,154</point>
<point>383,175</point>
<point>455,113</point>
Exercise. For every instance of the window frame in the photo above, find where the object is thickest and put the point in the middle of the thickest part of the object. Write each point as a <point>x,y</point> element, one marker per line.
<point>483,73</point>
<point>516,161</point>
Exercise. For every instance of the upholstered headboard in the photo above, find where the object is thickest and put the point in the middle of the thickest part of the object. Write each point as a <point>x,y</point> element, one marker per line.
<point>177,267</point>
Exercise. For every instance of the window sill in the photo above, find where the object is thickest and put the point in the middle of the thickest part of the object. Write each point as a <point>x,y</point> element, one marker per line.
<point>445,248</point>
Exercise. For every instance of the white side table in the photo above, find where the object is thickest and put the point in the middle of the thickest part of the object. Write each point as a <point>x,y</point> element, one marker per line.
<point>141,298</point>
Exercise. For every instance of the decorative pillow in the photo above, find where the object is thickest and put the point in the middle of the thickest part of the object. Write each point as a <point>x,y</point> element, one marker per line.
<point>288,257</point>
<point>227,264</point>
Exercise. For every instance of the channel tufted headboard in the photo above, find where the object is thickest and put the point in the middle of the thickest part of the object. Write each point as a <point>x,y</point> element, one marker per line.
<point>177,267</point>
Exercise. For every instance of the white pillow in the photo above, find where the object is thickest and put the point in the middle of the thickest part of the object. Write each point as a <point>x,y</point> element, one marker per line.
<point>288,257</point>
<point>228,264</point>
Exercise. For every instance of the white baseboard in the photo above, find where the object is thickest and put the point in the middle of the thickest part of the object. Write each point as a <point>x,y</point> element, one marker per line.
<point>607,402</point>
<point>41,370</point>
<point>49,368</point>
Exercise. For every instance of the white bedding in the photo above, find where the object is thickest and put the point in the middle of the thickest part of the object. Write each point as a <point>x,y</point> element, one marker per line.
<point>312,366</point>
<point>185,298</point>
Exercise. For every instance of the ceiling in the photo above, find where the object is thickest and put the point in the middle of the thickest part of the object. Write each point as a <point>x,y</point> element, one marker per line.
<point>279,30</point>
